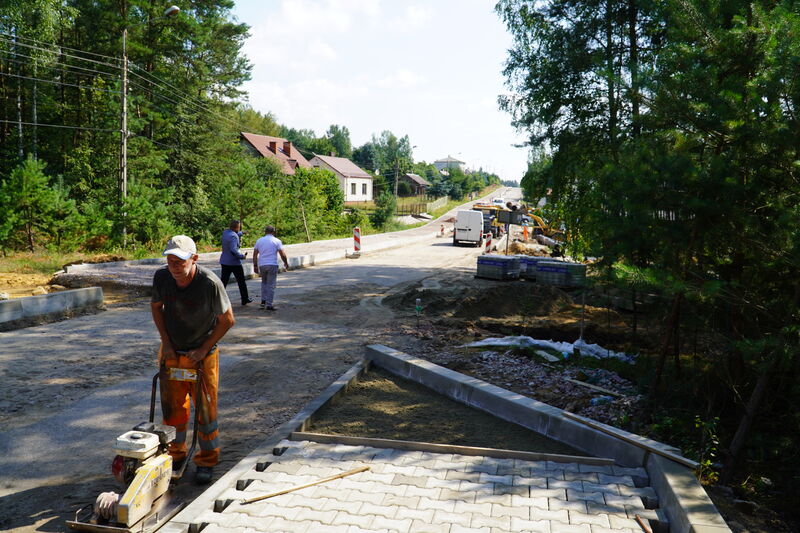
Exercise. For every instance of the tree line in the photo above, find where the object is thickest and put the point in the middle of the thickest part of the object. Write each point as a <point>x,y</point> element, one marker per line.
<point>665,135</point>
<point>60,132</point>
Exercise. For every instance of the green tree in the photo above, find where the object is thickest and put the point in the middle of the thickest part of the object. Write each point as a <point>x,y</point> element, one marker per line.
<point>385,207</point>
<point>339,137</point>
<point>26,192</point>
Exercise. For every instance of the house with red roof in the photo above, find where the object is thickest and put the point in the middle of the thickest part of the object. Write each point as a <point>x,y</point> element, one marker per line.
<point>355,182</point>
<point>276,148</point>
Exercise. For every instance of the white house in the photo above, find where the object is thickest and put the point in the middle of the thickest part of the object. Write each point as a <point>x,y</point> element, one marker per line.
<point>354,182</point>
<point>448,163</point>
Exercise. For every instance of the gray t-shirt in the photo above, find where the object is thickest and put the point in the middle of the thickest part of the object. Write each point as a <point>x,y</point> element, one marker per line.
<point>191,313</point>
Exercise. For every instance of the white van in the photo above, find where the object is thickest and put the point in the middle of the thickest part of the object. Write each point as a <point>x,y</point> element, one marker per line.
<point>499,201</point>
<point>468,228</point>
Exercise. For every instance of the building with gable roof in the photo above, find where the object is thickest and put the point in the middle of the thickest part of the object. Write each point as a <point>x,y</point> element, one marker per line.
<point>354,182</point>
<point>419,185</point>
<point>275,148</point>
<point>448,163</point>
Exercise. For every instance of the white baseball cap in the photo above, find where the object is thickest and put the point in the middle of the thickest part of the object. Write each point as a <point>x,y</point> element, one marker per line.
<point>181,246</point>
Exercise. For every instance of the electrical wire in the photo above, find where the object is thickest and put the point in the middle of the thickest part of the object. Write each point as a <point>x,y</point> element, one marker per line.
<point>63,54</point>
<point>57,45</point>
<point>58,126</point>
<point>49,63</point>
<point>58,71</point>
<point>60,83</point>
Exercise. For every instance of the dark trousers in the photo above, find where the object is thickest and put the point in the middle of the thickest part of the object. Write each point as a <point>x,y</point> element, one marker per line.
<point>238,272</point>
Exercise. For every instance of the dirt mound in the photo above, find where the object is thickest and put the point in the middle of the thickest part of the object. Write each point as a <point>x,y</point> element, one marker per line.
<point>481,299</point>
<point>537,250</point>
<point>103,258</point>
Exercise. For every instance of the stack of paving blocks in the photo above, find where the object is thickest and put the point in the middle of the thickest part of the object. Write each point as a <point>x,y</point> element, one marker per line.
<point>501,267</point>
<point>561,273</point>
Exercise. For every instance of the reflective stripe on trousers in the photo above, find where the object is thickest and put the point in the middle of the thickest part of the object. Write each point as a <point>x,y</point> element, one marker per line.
<point>176,398</point>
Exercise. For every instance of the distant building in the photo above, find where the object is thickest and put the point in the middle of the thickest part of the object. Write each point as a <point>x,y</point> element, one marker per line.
<point>275,148</point>
<point>354,182</point>
<point>448,163</point>
<point>419,185</point>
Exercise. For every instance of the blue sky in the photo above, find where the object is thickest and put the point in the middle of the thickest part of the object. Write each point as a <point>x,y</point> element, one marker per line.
<point>427,69</point>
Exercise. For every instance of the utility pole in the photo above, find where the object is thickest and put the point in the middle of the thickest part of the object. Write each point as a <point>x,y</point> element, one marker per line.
<point>123,138</point>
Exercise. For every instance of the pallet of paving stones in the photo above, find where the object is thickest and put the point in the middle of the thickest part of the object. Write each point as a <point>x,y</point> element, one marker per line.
<point>498,267</point>
<point>561,273</point>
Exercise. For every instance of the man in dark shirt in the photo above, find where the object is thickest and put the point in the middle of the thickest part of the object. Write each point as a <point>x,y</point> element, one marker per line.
<point>231,259</point>
<point>192,312</point>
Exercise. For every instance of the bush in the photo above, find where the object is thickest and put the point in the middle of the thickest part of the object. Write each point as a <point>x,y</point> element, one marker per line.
<point>385,207</point>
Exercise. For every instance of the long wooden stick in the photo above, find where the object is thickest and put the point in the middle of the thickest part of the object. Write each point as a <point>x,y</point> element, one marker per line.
<point>325,480</point>
<point>643,525</point>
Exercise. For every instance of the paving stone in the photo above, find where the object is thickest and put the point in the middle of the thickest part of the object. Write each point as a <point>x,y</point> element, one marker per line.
<point>581,476</point>
<point>425,515</point>
<point>299,500</point>
<point>356,529</point>
<point>522,501</point>
<point>514,490</point>
<point>560,527</point>
<point>560,494</point>
<point>281,525</point>
<point>606,479</point>
<point>437,505</point>
<point>294,468</point>
<point>567,467</point>
<point>401,501</point>
<point>559,484</point>
<point>495,522</point>
<point>317,527</point>
<point>484,509</point>
<point>547,472</point>
<point>599,487</point>
<point>499,499</point>
<point>448,465</point>
<point>513,470</point>
<point>363,486</point>
<point>340,505</point>
<point>347,519</point>
<point>457,496</point>
<point>477,488</point>
<point>629,471</point>
<point>538,526</point>
<point>381,522</point>
<point>602,508</point>
<point>405,457</point>
<point>541,514</point>
<point>633,502</point>
<point>620,522</point>
<point>421,482</point>
<point>519,512</point>
<point>647,494</point>
<point>540,482</point>
<point>411,490</point>
<point>576,517</point>
<point>214,528</point>
<point>601,529</point>
<point>366,497</point>
<point>428,471</point>
<point>323,491</point>
<point>386,511</point>
<point>417,526</point>
<point>463,475</point>
<point>556,505</point>
<point>588,496</point>
<point>457,528</point>
<point>405,470</point>
<point>484,468</point>
<point>444,517</point>
<point>438,483</point>
<point>494,478</point>
<point>313,515</point>
<point>605,469</point>
<point>384,479</point>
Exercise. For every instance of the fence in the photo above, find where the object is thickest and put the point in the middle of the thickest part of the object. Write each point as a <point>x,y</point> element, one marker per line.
<point>408,205</point>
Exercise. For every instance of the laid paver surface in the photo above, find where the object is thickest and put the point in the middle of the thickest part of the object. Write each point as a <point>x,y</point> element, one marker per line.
<point>415,491</point>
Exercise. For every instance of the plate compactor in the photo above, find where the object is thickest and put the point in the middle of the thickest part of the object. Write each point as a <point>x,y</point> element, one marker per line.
<point>143,465</point>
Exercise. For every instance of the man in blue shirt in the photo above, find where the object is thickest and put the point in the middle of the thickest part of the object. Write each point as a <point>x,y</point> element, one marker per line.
<point>231,259</point>
<point>265,262</point>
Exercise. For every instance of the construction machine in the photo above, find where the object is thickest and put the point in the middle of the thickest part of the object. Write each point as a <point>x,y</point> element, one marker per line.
<point>143,465</point>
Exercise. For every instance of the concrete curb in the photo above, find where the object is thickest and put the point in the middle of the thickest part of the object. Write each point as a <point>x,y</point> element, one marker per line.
<point>686,504</point>
<point>49,304</point>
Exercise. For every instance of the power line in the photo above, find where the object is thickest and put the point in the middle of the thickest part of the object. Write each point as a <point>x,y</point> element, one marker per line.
<point>55,66</point>
<point>60,83</point>
<point>58,126</point>
<point>57,45</point>
<point>52,51</point>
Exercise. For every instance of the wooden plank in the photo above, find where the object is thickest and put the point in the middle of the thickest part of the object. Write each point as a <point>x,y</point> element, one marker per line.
<point>601,427</point>
<point>595,387</point>
<point>448,448</point>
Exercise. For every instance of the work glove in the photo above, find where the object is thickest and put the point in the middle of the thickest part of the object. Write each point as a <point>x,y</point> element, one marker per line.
<point>106,505</point>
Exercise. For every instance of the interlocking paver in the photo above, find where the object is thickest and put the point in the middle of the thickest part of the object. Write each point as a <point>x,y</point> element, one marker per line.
<point>323,491</point>
<point>606,479</point>
<point>628,501</point>
<point>457,528</point>
<point>605,469</point>
<point>313,515</point>
<point>629,471</point>
<point>485,468</point>
<point>518,490</point>
<point>581,476</point>
<point>424,515</point>
<point>474,508</point>
<point>494,478</point>
<point>559,484</point>
<point>339,505</point>
<point>541,514</point>
<point>366,497</point>
<point>421,482</point>
<point>576,517</point>
<point>417,526</point>
<point>500,499</point>
<point>620,522</point>
<point>462,475</point>
<point>478,488</point>
<point>567,467</point>
<point>427,503</point>
<point>603,508</point>
<point>507,469</point>
<point>411,490</point>
<point>448,465</point>
<point>519,512</point>
<point>599,487</point>
<point>444,517</point>
<point>540,482</point>
<point>355,519</point>
<point>386,511</point>
<point>281,525</point>
<point>356,529</point>
<point>538,526</point>
<point>438,483</point>
<point>556,505</point>
<point>374,477</point>
<point>381,522</point>
<point>601,529</point>
<point>401,501</point>
<point>560,527</point>
<point>317,527</point>
<point>495,522</point>
<point>428,471</point>
<point>560,494</point>
<point>458,496</point>
<point>588,496</point>
<point>520,501</point>
<point>647,494</point>
<point>405,470</point>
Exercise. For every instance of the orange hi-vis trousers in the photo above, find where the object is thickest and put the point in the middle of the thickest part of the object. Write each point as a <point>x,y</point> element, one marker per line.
<point>176,397</point>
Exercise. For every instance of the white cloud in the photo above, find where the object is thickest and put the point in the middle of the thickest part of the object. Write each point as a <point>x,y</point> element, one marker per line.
<point>401,78</point>
<point>413,18</point>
